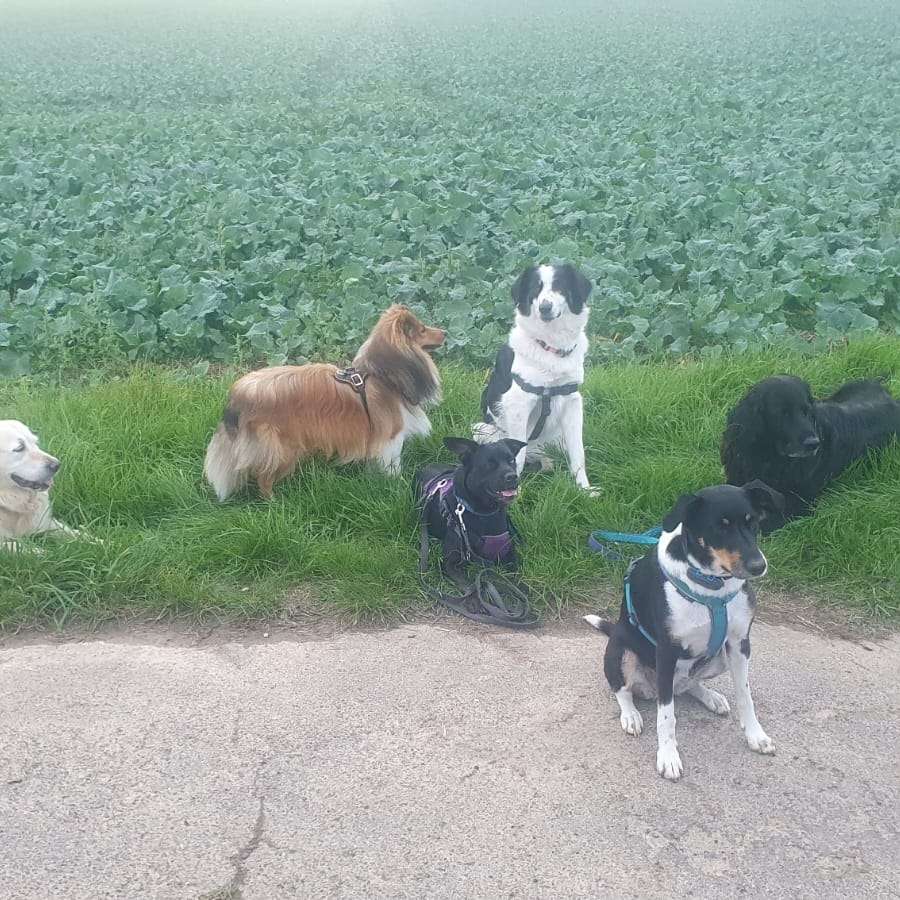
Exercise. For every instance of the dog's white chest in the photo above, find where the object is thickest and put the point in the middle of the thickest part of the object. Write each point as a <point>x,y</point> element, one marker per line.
<point>23,514</point>
<point>690,624</point>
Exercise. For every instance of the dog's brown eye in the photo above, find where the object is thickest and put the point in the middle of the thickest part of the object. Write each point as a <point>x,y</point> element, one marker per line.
<point>20,448</point>
<point>748,518</point>
<point>726,522</point>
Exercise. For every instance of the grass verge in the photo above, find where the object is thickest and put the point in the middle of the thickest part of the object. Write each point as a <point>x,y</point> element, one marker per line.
<point>133,446</point>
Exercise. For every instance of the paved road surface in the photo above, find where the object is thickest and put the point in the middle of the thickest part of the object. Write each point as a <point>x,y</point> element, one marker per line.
<point>434,761</point>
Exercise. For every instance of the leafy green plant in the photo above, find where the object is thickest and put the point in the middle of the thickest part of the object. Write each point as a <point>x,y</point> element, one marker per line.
<point>264,183</point>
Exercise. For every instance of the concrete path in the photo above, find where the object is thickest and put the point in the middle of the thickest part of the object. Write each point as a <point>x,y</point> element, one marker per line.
<point>434,761</point>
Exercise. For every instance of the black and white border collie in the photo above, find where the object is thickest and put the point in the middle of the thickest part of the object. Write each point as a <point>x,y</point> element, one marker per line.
<point>708,548</point>
<point>533,394</point>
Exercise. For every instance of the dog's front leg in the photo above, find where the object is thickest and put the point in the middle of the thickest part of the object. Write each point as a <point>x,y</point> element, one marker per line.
<point>668,762</point>
<point>571,421</point>
<point>59,528</point>
<point>739,664</point>
<point>391,453</point>
<point>517,408</point>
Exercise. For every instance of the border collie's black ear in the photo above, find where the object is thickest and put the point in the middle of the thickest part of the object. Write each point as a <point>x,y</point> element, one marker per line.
<point>575,286</point>
<point>685,504</point>
<point>525,289</point>
<point>462,447</point>
<point>765,500</point>
<point>514,446</point>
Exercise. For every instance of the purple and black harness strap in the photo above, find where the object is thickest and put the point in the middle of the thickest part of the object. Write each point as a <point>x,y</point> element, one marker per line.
<point>492,547</point>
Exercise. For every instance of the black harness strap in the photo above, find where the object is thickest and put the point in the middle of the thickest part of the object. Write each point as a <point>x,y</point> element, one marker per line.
<point>546,394</point>
<point>357,382</point>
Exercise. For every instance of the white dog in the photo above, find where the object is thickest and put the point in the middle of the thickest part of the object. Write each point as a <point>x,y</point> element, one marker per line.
<point>26,474</point>
<point>533,394</point>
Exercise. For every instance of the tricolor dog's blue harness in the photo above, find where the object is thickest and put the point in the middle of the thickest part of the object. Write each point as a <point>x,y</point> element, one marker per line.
<point>716,606</point>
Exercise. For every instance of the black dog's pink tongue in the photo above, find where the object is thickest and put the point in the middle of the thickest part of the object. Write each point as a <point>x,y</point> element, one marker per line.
<point>509,496</point>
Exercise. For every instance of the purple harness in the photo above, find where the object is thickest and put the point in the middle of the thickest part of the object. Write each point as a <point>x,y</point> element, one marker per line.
<point>492,547</point>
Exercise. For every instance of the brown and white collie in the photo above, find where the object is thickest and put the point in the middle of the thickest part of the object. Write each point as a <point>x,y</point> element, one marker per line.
<point>278,416</point>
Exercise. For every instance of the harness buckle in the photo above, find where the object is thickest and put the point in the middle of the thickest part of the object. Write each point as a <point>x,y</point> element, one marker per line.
<point>357,381</point>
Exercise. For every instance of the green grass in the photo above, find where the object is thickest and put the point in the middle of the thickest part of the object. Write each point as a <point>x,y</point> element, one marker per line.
<point>133,447</point>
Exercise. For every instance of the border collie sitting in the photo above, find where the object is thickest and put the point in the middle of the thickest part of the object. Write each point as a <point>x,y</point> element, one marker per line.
<point>686,615</point>
<point>533,393</point>
<point>780,434</point>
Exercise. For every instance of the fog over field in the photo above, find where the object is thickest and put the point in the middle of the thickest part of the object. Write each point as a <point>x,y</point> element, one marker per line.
<point>213,181</point>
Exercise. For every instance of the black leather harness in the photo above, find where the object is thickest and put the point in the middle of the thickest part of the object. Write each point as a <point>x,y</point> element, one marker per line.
<point>546,394</point>
<point>357,383</point>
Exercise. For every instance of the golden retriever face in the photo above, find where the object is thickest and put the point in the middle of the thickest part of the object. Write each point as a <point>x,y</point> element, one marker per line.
<point>23,465</point>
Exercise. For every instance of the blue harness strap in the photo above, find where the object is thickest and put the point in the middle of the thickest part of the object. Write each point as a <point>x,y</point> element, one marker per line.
<point>629,606</point>
<point>601,541</point>
<point>717,606</point>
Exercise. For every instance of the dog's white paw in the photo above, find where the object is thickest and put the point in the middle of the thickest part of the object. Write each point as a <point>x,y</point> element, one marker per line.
<point>761,742</point>
<point>715,702</point>
<point>668,762</point>
<point>591,491</point>
<point>632,722</point>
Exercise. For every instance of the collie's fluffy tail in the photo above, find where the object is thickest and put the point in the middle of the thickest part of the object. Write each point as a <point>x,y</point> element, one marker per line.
<point>603,625</point>
<point>224,467</point>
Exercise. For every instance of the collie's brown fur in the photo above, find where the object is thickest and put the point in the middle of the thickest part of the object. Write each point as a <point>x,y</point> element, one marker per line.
<point>278,416</point>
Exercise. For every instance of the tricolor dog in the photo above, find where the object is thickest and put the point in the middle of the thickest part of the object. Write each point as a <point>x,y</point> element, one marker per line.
<point>533,394</point>
<point>686,615</point>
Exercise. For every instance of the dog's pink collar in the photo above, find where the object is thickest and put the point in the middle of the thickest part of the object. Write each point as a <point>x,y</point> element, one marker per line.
<point>555,350</point>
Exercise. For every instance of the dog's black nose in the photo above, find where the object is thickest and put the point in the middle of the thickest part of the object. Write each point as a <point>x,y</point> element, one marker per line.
<point>811,442</point>
<point>756,567</point>
<point>511,479</point>
<point>53,466</point>
<point>545,309</point>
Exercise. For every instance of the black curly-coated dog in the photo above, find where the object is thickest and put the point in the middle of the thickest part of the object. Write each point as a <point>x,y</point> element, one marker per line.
<point>781,435</point>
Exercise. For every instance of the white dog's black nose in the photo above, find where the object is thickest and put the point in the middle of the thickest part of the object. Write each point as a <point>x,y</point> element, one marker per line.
<point>546,310</point>
<point>53,466</point>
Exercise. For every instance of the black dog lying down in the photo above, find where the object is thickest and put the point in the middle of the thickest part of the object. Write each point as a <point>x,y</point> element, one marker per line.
<point>474,494</point>
<point>465,508</point>
<point>779,434</point>
<point>687,612</point>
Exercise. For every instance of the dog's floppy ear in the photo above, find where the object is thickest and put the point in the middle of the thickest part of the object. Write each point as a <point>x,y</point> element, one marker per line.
<point>684,506</point>
<point>525,288</point>
<point>514,446</point>
<point>575,286</point>
<point>462,447</point>
<point>765,500</point>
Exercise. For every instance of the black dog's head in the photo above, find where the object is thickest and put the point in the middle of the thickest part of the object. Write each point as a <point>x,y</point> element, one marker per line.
<point>782,413</point>
<point>548,290</point>
<point>719,527</point>
<point>489,470</point>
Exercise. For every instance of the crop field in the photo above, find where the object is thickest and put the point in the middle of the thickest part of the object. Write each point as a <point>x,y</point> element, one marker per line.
<point>221,183</point>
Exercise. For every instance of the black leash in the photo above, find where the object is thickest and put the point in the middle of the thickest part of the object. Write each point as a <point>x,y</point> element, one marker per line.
<point>492,599</point>
<point>546,394</point>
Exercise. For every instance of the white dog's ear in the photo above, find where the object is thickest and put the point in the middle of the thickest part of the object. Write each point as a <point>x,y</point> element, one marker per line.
<point>573,286</point>
<point>526,287</point>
